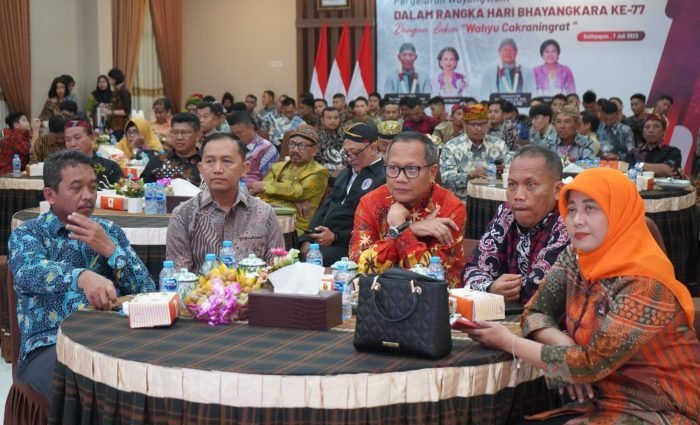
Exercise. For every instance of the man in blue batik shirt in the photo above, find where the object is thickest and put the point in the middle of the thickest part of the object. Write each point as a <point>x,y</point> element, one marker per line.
<point>65,260</point>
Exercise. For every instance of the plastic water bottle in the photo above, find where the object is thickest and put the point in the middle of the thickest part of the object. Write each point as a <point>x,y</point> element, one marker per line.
<point>228,255</point>
<point>16,166</point>
<point>161,202</point>
<point>632,173</point>
<point>113,140</point>
<point>150,205</point>
<point>435,269</point>
<point>209,263</point>
<point>242,186</point>
<point>168,277</point>
<point>314,255</point>
<point>491,174</point>
<point>639,167</point>
<point>341,282</point>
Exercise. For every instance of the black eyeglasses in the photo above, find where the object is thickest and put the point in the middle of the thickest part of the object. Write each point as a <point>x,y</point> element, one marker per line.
<point>410,171</point>
<point>352,155</point>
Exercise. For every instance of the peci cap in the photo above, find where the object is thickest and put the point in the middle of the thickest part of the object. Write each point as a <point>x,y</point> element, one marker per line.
<point>360,133</point>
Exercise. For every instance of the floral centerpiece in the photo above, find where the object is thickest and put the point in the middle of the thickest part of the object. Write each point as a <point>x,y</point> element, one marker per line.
<point>130,188</point>
<point>221,295</point>
<point>166,183</point>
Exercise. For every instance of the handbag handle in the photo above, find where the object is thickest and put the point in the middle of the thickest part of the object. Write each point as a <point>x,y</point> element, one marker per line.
<point>415,291</point>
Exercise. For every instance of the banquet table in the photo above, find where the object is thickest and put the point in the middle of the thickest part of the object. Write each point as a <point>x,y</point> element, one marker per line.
<point>673,211</point>
<point>147,235</point>
<point>240,374</point>
<point>16,194</point>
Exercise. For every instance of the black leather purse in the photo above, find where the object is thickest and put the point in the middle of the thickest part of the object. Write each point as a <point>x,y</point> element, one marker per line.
<point>403,312</point>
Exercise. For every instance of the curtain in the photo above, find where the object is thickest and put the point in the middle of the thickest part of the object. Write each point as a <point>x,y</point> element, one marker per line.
<point>167,27</point>
<point>4,110</point>
<point>148,84</point>
<point>15,65</point>
<point>128,17</point>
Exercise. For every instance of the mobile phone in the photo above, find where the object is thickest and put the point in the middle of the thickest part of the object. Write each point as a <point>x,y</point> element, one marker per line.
<point>461,324</point>
<point>309,231</point>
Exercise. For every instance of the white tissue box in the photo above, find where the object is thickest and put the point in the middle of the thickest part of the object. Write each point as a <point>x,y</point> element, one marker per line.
<point>153,309</point>
<point>477,305</point>
<point>35,170</point>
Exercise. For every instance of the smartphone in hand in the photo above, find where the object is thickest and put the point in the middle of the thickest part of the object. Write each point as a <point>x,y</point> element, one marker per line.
<point>462,324</point>
<point>310,231</point>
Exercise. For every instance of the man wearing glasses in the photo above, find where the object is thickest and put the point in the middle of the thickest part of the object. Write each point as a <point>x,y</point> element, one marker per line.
<point>466,157</point>
<point>332,223</point>
<point>181,161</point>
<point>299,182</point>
<point>411,218</point>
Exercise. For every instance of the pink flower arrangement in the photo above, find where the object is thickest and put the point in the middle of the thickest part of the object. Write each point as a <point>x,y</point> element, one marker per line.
<point>221,306</point>
<point>131,188</point>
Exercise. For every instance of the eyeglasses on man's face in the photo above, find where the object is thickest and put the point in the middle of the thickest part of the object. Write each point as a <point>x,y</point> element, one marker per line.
<point>350,155</point>
<point>181,133</point>
<point>410,171</point>
<point>299,146</point>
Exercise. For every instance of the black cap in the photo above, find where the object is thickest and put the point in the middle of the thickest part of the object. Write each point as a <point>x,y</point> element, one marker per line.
<point>360,133</point>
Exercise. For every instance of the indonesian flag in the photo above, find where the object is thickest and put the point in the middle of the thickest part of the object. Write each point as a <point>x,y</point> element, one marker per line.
<point>339,79</point>
<point>363,77</point>
<point>319,79</point>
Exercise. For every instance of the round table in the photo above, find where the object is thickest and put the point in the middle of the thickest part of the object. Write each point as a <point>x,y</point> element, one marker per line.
<point>195,373</point>
<point>673,211</point>
<point>16,194</point>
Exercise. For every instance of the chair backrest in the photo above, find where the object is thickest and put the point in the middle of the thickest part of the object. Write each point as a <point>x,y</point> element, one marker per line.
<point>656,233</point>
<point>468,246</point>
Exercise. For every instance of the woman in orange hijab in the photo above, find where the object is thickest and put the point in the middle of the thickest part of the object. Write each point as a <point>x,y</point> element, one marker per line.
<point>629,353</point>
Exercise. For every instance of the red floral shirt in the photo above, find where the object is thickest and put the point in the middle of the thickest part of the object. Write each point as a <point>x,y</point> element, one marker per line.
<point>16,142</point>
<point>374,252</point>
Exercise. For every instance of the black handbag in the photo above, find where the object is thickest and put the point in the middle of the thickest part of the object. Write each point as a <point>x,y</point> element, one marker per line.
<point>403,312</point>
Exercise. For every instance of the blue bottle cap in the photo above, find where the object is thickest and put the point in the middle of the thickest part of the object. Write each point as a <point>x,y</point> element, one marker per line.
<point>313,246</point>
<point>435,259</point>
<point>210,257</point>
<point>168,263</point>
<point>228,244</point>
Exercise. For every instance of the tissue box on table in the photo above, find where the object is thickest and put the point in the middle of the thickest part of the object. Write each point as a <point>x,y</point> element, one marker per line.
<point>153,309</point>
<point>617,165</point>
<point>35,170</point>
<point>113,202</point>
<point>297,302</point>
<point>477,305</point>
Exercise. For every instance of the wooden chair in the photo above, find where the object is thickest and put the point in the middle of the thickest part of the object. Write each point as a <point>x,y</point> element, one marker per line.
<point>656,233</point>
<point>23,406</point>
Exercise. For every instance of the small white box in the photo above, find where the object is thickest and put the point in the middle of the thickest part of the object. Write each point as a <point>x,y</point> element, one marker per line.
<point>153,309</point>
<point>477,305</point>
<point>35,170</point>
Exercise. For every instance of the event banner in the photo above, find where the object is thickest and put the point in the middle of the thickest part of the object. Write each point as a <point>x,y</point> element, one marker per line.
<point>518,49</point>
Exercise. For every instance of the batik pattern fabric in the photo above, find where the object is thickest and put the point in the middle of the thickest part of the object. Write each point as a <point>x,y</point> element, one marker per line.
<point>169,165</point>
<point>580,148</point>
<point>265,117</point>
<point>261,155</point>
<point>330,151</point>
<point>46,264</point>
<point>107,171</point>
<point>548,138</point>
<point>506,247</point>
<point>282,125</point>
<point>374,251</point>
<point>45,145</point>
<point>460,156</point>
<point>287,184</point>
<point>506,132</point>
<point>633,342</point>
<point>617,139</point>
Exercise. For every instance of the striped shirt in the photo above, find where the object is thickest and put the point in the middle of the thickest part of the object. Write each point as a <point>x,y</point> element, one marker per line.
<point>199,226</point>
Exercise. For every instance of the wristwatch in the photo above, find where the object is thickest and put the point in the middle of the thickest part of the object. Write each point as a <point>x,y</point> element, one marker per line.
<point>395,231</point>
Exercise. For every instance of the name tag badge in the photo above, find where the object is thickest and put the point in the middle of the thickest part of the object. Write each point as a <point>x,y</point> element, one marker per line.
<point>366,184</point>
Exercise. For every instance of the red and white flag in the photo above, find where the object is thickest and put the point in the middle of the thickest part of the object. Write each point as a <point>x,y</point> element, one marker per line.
<point>339,78</point>
<point>363,76</point>
<point>319,79</point>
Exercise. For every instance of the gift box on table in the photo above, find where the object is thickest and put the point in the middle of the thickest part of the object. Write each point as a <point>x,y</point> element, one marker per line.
<point>617,165</point>
<point>113,202</point>
<point>295,311</point>
<point>477,305</point>
<point>35,170</point>
<point>132,170</point>
<point>153,309</point>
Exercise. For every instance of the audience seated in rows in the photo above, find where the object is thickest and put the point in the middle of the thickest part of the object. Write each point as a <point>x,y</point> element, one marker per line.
<point>465,157</point>
<point>181,161</point>
<point>332,223</point>
<point>663,160</point>
<point>331,146</point>
<point>568,143</point>
<point>499,127</point>
<point>616,138</point>
<point>411,218</point>
<point>50,142</point>
<point>221,211</point>
<point>260,153</point>
<point>299,182</point>
<point>526,235</point>
<point>83,260</point>
<point>453,127</point>
<point>288,120</point>
<point>415,118</point>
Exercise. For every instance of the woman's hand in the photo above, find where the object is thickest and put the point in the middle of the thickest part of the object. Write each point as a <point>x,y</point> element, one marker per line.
<point>491,334</point>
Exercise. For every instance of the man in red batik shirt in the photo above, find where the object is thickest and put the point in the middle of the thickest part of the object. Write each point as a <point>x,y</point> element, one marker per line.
<point>410,218</point>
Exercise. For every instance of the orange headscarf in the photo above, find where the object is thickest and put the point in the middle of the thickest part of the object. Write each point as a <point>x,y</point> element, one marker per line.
<point>628,249</point>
